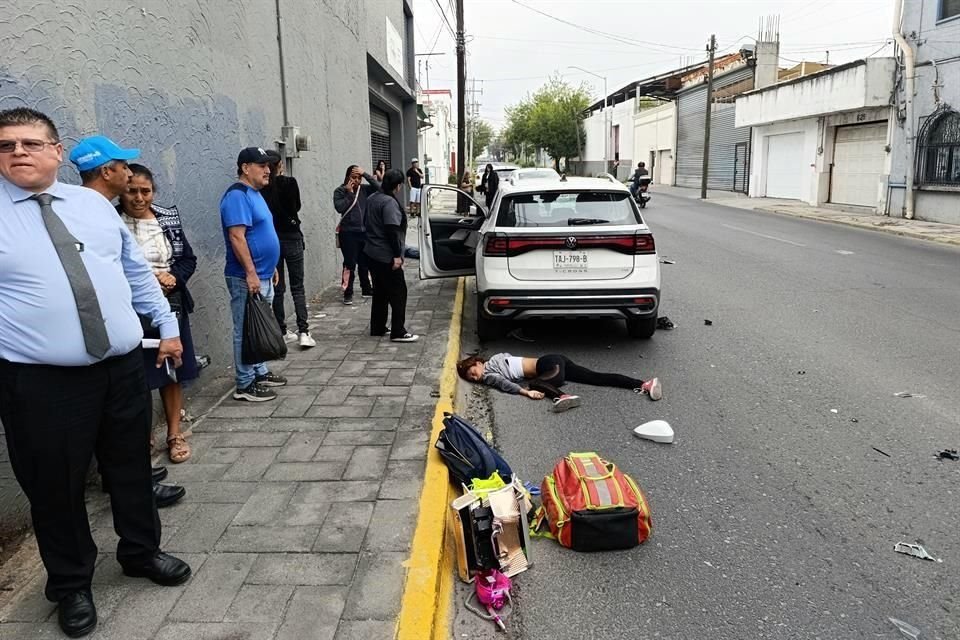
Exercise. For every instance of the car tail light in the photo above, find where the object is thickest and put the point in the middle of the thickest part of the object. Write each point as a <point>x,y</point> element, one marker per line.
<point>496,245</point>
<point>644,244</point>
<point>499,302</point>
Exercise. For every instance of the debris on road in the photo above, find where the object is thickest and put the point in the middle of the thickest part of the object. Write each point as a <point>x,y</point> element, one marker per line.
<point>907,629</point>
<point>881,452</point>
<point>709,323</point>
<point>948,454</point>
<point>517,334</point>
<point>801,373</point>
<point>915,550</point>
<point>834,411</point>
<point>665,261</point>
<point>655,430</point>
<point>664,324</point>
<point>854,420</point>
<point>319,315</point>
<point>907,394</point>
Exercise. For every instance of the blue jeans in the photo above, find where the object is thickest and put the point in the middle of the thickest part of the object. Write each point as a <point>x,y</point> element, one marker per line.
<point>246,373</point>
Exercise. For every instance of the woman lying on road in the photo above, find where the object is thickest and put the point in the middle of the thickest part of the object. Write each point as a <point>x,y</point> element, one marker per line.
<point>546,375</point>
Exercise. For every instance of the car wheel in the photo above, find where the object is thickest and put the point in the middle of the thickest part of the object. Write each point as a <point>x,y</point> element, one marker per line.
<point>641,327</point>
<point>487,328</point>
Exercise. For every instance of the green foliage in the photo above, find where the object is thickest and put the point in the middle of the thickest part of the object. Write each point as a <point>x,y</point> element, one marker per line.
<point>551,119</point>
<point>482,135</point>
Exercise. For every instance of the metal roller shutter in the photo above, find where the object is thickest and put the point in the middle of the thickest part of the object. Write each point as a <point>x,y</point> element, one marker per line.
<point>784,166</point>
<point>859,154</point>
<point>724,138</point>
<point>379,136</point>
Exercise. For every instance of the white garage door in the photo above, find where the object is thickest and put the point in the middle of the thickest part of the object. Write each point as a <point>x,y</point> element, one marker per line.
<point>858,158</point>
<point>785,166</point>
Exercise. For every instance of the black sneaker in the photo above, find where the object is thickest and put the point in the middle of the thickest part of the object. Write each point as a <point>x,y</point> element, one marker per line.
<point>254,393</point>
<point>271,380</point>
<point>348,301</point>
<point>366,294</point>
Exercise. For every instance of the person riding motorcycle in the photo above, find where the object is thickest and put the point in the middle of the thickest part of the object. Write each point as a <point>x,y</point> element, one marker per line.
<point>640,172</point>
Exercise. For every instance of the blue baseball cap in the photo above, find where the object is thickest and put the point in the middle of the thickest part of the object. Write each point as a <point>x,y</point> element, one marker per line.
<point>97,151</point>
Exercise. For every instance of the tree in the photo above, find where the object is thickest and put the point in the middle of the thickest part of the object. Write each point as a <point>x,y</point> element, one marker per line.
<point>482,135</point>
<point>551,119</point>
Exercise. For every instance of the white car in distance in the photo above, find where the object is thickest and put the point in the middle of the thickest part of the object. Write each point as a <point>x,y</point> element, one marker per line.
<point>548,248</point>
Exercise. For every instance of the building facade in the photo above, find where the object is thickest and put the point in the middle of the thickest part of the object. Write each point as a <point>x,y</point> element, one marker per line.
<point>654,136</point>
<point>191,83</point>
<point>932,29</point>
<point>438,137</point>
<point>823,138</point>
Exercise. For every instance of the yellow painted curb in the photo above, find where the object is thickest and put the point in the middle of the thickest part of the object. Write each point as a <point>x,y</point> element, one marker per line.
<point>425,607</point>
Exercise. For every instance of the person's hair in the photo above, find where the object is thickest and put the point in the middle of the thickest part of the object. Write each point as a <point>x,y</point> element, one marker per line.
<point>346,176</point>
<point>391,180</point>
<point>140,170</point>
<point>88,176</point>
<point>23,115</point>
<point>488,168</point>
<point>642,164</point>
<point>464,365</point>
<point>382,163</point>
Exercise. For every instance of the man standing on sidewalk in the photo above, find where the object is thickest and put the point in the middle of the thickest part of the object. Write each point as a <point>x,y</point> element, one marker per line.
<point>253,251</point>
<point>282,194</point>
<point>415,182</point>
<point>71,373</point>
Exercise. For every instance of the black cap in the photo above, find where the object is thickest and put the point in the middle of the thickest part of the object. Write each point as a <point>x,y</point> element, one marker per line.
<point>253,155</point>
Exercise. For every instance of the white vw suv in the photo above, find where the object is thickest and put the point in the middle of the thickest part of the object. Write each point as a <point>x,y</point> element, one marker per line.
<point>548,248</point>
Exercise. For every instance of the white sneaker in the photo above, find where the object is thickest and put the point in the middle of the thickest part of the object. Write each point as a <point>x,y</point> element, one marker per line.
<point>290,337</point>
<point>565,402</point>
<point>306,341</point>
<point>407,337</point>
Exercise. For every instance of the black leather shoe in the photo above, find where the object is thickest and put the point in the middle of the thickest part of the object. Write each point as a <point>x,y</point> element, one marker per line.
<point>163,569</point>
<point>159,473</point>
<point>77,615</point>
<point>167,494</point>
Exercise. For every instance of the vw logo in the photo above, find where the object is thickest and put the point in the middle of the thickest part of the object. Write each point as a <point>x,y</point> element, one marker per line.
<point>570,242</point>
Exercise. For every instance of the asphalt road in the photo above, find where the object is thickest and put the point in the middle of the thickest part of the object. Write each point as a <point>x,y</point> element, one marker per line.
<point>774,517</point>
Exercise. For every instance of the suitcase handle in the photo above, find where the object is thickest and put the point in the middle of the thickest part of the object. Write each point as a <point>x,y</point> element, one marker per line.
<point>609,465</point>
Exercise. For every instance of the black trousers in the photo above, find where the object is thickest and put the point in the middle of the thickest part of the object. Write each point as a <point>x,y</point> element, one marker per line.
<point>354,262</point>
<point>56,419</point>
<point>291,253</point>
<point>555,370</point>
<point>389,290</point>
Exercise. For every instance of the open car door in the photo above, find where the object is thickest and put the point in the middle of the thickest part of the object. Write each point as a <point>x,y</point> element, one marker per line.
<point>450,224</point>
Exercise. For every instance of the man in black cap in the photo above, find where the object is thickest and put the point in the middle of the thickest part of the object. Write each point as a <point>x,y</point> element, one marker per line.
<point>253,251</point>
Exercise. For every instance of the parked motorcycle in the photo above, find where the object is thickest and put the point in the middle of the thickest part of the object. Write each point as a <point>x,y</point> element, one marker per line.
<point>641,196</point>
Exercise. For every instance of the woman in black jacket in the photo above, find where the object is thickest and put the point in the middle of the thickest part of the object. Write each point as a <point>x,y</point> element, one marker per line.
<point>489,184</point>
<point>159,232</point>
<point>350,201</point>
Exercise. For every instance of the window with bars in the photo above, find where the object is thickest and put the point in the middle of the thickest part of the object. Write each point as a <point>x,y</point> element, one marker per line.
<point>940,151</point>
<point>949,9</point>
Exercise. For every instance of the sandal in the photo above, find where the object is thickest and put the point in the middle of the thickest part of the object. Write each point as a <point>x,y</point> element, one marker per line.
<point>178,449</point>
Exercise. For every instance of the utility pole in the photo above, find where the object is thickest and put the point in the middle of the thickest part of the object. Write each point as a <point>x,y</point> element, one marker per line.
<point>473,114</point>
<point>461,93</point>
<point>712,48</point>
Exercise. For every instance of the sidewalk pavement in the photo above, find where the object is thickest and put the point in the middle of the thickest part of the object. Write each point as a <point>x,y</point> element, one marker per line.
<point>850,216</point>
<point>300,512</point>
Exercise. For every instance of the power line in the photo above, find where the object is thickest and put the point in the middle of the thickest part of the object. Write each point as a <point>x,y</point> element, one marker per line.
<point>443,14</point>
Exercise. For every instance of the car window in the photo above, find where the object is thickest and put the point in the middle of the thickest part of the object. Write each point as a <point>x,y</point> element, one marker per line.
<point>562,209</point>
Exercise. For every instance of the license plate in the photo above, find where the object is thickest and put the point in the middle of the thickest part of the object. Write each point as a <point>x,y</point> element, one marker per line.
<point>570,261</point>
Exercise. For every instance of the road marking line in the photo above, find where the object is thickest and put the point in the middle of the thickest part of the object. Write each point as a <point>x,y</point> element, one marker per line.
<point>763,235</point>
<point>425,605</point>
<point>844,252</point>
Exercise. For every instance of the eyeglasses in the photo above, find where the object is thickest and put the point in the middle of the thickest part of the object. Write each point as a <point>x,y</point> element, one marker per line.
<point>30,146</point>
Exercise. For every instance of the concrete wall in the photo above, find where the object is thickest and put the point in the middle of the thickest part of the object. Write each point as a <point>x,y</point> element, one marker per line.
<point>938,41</point>
<point>860,86</point>
<point>655,130</point>
<point>620,114</point>
<point>190,82</point>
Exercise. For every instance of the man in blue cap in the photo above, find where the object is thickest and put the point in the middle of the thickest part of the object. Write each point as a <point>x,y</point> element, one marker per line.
<point>71,373</point>
<point>103,167</point>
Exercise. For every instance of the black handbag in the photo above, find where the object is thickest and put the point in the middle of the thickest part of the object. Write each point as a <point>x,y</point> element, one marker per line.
<point>150,332</point>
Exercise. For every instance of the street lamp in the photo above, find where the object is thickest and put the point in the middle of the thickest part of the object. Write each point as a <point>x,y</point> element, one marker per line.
<point>606,131</point>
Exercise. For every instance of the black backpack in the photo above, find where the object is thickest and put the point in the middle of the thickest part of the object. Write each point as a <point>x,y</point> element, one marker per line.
<point>467,454</point>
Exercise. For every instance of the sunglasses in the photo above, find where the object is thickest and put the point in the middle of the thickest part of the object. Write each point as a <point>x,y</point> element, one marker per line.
<point>30,146</point>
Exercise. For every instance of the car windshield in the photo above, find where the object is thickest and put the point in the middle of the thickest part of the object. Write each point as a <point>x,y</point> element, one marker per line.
<point>565,209</point>
<point>532,175</point>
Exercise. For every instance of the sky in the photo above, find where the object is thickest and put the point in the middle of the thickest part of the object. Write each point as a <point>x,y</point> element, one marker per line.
<point>514,46</point>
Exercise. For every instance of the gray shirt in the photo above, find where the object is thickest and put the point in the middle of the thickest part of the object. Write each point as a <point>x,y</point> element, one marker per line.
<point>386,228</point>
<point>497,374</point>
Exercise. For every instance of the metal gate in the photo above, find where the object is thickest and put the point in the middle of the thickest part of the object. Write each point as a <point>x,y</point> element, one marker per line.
<point>379,136</point>
<point>724,136</point>
<point>741,167</point>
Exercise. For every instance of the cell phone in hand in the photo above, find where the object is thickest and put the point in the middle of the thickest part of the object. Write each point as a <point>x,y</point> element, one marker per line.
<point>170,369</point>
